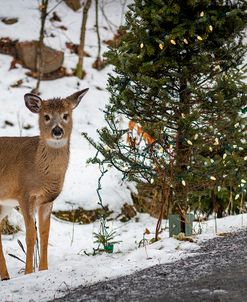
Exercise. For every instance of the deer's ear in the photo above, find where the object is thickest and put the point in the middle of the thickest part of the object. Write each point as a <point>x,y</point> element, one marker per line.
<point>33,102</point>
<point>76,97</point>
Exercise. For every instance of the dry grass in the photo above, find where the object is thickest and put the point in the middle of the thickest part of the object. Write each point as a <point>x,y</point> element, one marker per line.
<point>81,216</point>
<point>7,228</point>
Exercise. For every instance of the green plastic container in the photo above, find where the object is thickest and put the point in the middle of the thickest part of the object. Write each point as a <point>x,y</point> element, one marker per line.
<point>176,225</point>
<point>109,248</point>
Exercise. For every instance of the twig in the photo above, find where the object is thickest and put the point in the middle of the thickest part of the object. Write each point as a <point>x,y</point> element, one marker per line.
<point>55,6</point>
<point>58,289</point>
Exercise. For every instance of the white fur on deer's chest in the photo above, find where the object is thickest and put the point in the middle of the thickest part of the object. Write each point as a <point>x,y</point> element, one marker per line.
<point>9,203</point>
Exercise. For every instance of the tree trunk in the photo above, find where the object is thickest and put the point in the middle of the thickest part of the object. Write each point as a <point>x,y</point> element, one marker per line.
<point>183,150</point>
<point>98,64</point>
<point>79,72</point>
<point>43,9</point>
<point>164,208</point>
<point>97,28</point>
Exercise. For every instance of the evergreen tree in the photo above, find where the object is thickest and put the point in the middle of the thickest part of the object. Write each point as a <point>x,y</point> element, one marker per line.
<point>179,80</point>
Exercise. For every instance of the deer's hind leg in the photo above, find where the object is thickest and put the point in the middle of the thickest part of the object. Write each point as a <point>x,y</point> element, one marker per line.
<point>3,268</point>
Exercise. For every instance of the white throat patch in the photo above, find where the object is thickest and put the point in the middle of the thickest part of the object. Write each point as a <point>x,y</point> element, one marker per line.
<point>57,143</point>
<point>9,203</point>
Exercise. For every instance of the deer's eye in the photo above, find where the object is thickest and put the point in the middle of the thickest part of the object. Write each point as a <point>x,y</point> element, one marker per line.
<point>47,117</point>
<point>65,116</point>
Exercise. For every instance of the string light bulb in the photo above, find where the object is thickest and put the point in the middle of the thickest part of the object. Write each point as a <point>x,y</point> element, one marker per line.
<point>216,141</point>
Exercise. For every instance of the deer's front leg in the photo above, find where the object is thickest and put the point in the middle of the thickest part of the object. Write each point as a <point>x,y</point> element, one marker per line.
<point>30,240</point>
<point>44,228</point>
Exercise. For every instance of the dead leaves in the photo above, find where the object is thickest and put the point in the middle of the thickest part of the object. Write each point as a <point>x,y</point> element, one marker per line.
<point>182,237</point>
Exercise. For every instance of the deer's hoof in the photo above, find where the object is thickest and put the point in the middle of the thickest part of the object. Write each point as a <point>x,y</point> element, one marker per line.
<point>43,268</point>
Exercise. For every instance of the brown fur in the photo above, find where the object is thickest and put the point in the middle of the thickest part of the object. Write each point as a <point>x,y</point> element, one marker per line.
<point>32,172</point>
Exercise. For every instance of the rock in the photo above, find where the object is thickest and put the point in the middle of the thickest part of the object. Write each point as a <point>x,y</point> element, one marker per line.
<point>27,52</point>
<point>73,4</point>
<point>9,21</point>
<point>128,212</point>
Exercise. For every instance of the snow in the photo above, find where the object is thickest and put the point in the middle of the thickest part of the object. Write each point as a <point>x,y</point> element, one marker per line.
<point>69,266</point>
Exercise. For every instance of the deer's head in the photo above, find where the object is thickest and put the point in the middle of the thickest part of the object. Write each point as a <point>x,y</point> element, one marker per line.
<point>55,116</point>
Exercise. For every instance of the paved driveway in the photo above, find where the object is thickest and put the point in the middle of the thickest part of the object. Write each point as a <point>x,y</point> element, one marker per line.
<point>218,273</point>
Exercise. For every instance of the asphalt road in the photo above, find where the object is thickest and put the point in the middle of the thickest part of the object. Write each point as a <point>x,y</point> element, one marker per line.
<point>217,274</point>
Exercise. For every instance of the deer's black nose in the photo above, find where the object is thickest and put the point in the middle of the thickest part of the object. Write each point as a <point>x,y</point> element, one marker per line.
<point>57,132</point>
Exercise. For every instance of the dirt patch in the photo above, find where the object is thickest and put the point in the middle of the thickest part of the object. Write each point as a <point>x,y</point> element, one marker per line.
<point>82,216</point>
<point>8,46</point>
<point>57,74</point>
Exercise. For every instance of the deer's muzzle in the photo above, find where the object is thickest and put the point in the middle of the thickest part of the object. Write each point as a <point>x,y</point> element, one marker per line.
<point>57,132</point>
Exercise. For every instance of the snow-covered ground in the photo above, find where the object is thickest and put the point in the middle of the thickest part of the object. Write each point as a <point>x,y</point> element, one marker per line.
<point>68,265</point>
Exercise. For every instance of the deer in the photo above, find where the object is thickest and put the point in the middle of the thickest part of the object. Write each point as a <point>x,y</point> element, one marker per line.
<point>32,172</point>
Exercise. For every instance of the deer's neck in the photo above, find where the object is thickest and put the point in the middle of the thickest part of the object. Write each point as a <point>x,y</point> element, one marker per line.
<point>52,160</point>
